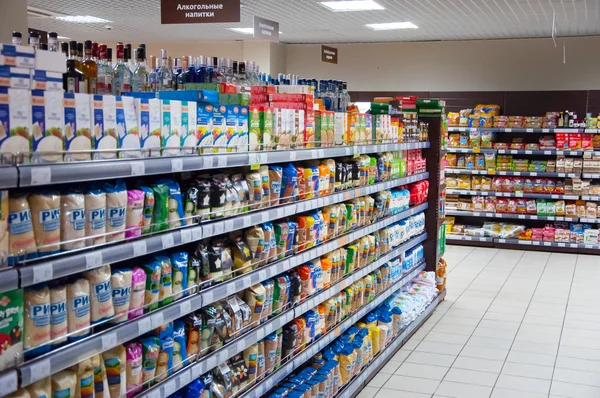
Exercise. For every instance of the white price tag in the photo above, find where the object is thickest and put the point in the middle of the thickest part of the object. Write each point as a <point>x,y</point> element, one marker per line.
<point>260,333</point>
<point>228,225</point>
<point>320,154</point>
<point>40,370</point>
<point>547,244</point>
<point>545,130</point>
<point>93,260</point>
<point>521,216</point>
<point>41,175</point>
<point>246,221</point>
<point>230,289</point>
<point>502,240</point>
<point>139,248</point>
<point>185,378</point>
<point>528,152</point>
<point>138,168</point>
<point>42,273</point>
<point>561,245</point>
<point>207,298</point>
<point>507,130</point>
<point>529,130</point>
<point>292,156</point>
<point>208,162</point>
<point>169,388</point>
<point>196,233</point>
<point>223,356</point>
<point>185,307</point>
<point>262,275</point>
<point>109,341</point>
<point>8,383</point>
<point>186,236</point>
<point>218,228</point>
<point>144,325</point>
<point>517,173</point>
<point>589,246</point>
<point>533,217</point>
<point>269,383</point>
<point>533,174</point>
<point>468,238</point>
<point>562,175</point>
<point>222,161</point>
<point>252,158</point>
<point>211,362</point>
<point>240,346</point>
<point>176,165</point>
<point>264,216</point>
<point>536,243</point>
<point>156,393</point>
<point>157,320</point>
<point>167,241</point>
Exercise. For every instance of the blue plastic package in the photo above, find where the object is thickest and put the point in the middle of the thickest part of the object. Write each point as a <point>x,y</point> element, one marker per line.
<point>175,206</point>
<point>179,345</point>
<point>179,265</point>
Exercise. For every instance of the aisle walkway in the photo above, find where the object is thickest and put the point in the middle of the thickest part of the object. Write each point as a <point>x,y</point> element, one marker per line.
<point>514,324</point>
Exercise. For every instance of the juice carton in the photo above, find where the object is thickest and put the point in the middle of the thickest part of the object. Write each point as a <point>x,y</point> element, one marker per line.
<point>47,126</point>
<point>204,131</point>
<point>255,128</point>
<point>267,128</point>
<point>127,128</point>
<point>148,116</point>
<point>309,129</point>
<point>11,329</point>
<point>77,126</point>
<point>219,129</point>
<point>339,129</point>
<point>369,130</point>
<point>15,121</point>
<point>320,128</point>
<point>105,138</point>
<point>298,129</point>
<point>189,126</point>
<point>330,129</point>
<point>231,128</point>
<point>242,127</point>
<point>278,121</point>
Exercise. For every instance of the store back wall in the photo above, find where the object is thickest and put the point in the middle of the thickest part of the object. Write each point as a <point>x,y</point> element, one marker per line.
<point>479,65</point>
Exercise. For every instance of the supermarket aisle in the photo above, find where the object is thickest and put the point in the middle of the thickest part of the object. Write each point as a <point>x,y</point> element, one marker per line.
<point>514,324</point>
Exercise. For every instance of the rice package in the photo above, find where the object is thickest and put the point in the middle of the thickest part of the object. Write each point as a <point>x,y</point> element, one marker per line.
<point>153,272</point>
<point>100,294</point>
<point>116,210</point>
<point>120,282</point>
<point>135,213</point>
<point>115,363</point>
<point>150,352</point>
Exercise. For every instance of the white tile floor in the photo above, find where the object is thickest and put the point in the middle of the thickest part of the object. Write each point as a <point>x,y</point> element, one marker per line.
<point>514,324</point>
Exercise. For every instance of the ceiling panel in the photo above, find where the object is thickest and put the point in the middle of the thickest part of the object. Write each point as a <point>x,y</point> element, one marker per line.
<point>306,21</point>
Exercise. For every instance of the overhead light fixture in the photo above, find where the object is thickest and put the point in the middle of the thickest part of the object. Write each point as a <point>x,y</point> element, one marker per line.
<point>82,19</point>
<point>391,26</point>
<point>63,38</point>
<point>245,31</point>
<point>352,5</point>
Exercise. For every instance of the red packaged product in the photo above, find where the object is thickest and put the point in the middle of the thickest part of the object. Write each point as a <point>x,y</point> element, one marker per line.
<point>587,142</point>
<point>562,141</point>
<point>511,206</point>
<point>507,184</point>
<point>501,205</point>
<point>517,184</point>
<point>549,186</point>
<point>528,185</point>
<point>574,140</point>
<point>560,187</point>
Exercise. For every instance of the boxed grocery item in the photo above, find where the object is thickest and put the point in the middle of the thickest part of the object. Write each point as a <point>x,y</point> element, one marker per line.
<point>231,126</point>
<point>11,329</point>
<point>173,139</point>
<point>15,77</point>
<point>299,129</point>
<point>189,115</point>
<point>261,128</point>
<point>170,139</point>
<point>43,80</point>
<point>219,129</point>
<point>77,129</point>
<point>105,137</point>
<point>309,129</point>
<point>50,61</point>
<point>15,121</point>
<point>127,128</point>
<point>204,132</point>
<point>19,56</point>
<point>149,119</point>
<point>339,127</point>
<point>242,127</point>
<point>47,116</point>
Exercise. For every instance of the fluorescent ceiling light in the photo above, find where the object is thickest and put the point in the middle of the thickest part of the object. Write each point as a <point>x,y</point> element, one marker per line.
<point>391,26</point>
<point>245,31</point>
<point>82,19</point>
<point>352,5</point>
<point>63,38</point>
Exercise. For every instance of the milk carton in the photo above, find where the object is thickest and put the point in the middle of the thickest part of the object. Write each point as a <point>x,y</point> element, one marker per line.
<point>127,128</point>
<point>15,122</point>
<point>47,117</point>
<point>77,130</point>
<point>104,109</point>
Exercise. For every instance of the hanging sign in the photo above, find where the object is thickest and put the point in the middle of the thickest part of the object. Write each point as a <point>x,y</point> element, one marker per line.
<point>329,54</point>
<point>199,11</point>
<point>266,29</point>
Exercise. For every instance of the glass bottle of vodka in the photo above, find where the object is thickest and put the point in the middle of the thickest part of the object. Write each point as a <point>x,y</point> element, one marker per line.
<point>140,75</point>
<point>122,74</point>
<point>164,74</point>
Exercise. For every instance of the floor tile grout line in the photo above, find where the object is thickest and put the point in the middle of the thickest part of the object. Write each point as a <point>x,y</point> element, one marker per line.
<point>563,323</point>
<point>521,324</point>
<point>464,345</point>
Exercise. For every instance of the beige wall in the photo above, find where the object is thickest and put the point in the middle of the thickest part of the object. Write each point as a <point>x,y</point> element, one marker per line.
<point>278,58</point>
<point>13,16</point>
<point>493,65</point>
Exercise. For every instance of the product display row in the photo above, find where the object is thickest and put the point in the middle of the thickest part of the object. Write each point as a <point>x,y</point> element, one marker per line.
<point>305,281</point>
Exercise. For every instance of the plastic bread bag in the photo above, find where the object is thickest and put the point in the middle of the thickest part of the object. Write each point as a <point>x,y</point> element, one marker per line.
<point>100,294</point>
<point>148,209</point>
<point>492,229</point>
<point>64,384</point>
<point>165,296</point>
<point>179,263</point>
<point>255,241</point>
<point>116,209</point>
<point>135,213</point>
<point>160,212</point>
<point>175,213</point>
<point>72,224</point>
<point>179,345</point>
<point>511,230</point>
<point>232,200</point>
<point>255,297</point>
<point>115,363</point>
<point>42,388</point>
<point>120,281</point>
<point>218,197</point>
<point>275,180</point>
<point>134,373</point>
<point>45,217</point>
<point>266,186</point>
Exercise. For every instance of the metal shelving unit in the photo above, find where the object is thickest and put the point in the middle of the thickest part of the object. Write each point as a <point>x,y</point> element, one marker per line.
<point>511,194</point>
<point>511,173</point>
<point>551,152</point>
<point>519,130</point>
<point>509,216</point>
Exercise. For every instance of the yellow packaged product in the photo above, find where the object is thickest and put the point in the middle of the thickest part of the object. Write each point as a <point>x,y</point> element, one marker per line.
<point>351,259</point>
<point>375,332</point>
<point>347,360</point>
<point>476,183</point>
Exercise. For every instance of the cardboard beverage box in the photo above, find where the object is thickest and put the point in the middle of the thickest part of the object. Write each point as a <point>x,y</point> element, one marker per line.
<point>219,129</point>
<point>15,77</point>
<point>149,118</point>
<point>15,122</point>
<point>77,126</point>
<point>127,128</point>
<point>242,127</point>
<point>309,129</point>
<point>43,80</point>
<point>19,56</point>
<point>351,131</point>
<point>267,128</point>
<point>47,116</point>
<point>231,125</point>
<point>189,115</point>
<point>204,131</point>
<point>104,110</point>
<point>339,129</point>
<point>299,129</point>
<point>255,129</point>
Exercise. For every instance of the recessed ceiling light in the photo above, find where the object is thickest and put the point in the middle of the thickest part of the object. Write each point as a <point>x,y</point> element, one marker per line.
<point>245,31</point>
<point>82,19</point>
<point>352,5</point>
<point>391,26</point>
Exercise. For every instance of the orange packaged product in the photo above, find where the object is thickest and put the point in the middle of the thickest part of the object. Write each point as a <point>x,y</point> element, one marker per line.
<point>311,232</point>
<point>326,267</point>
<point>309,191</point>
<point>302,232</point>
<point>587,142</point>
<point>490,204</point>
<point>501,205</point>
<point>300,183</point>
<point>575,140</point>
<point>521,206</point>
<point>323,179</point>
